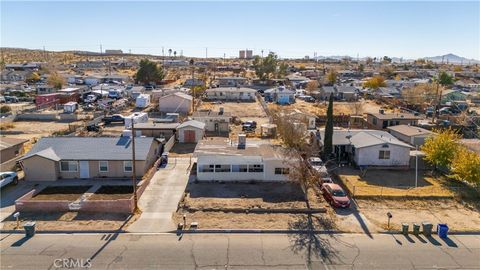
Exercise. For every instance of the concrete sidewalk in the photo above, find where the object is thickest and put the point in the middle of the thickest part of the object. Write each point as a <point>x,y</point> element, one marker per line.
<point>161,197</point>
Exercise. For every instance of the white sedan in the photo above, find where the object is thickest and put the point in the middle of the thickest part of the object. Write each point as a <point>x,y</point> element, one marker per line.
<point>7,178</point>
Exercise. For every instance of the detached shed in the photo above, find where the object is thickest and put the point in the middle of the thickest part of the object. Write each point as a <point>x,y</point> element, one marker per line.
<point>190,131</point>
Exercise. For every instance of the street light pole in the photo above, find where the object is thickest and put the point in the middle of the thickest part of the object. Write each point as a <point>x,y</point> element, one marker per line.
<point>134,175</point>
<point>193,83</point>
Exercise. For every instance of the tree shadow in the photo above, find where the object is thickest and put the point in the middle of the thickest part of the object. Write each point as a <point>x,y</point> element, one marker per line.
<point>353,210</point>
<point>309,242</point>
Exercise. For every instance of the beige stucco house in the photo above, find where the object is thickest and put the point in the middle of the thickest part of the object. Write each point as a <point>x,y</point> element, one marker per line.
<point>88,157</point>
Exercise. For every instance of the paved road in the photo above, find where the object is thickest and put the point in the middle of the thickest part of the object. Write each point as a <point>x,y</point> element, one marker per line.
<point>161,198</point>
<point>241,251</point>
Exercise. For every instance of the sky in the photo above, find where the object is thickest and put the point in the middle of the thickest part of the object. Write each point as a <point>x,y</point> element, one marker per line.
<point>291,29</point>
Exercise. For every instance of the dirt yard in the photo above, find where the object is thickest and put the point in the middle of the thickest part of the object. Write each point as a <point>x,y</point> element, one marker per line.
<point>73,221</point>
<point>394,183</point>
<point>360,107</point>
<point>112,193</point>
<point>267,196</point>
<point>36,129</point>
<point>64,193</point>
<point>458,216</point>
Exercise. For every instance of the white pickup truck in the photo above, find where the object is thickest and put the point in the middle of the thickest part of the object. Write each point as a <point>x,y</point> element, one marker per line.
<point>7,178</point>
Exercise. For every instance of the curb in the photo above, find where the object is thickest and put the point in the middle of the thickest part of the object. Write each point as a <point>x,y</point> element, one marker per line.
<point>225,231</point>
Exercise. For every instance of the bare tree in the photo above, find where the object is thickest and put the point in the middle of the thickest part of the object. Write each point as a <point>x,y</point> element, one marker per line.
<point>357,107</point>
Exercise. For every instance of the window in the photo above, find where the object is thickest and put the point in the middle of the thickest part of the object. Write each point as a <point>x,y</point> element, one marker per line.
<point>207,168</point>
<point>127,166</point>
<point>255,168</point>
<point>222,168</point>
<point>383,154</point>
<point>103,166</point>
<point>374,121</point>
<point>68,166</point>
<point>282,170</point>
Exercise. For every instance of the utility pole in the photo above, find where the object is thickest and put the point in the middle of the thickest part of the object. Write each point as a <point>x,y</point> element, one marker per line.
<point>193,83</point>
<point>206,53</point>
<point>416,165</point>
<point>101,49</point>
<point>134,175</point>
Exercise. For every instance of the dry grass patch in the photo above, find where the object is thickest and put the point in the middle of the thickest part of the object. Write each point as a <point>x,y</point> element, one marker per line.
<point>393,183</point>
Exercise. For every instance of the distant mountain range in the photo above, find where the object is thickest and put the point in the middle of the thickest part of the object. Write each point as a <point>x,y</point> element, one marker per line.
<point>450,58</point>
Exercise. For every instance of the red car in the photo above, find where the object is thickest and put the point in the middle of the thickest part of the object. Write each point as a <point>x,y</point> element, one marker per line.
<point>335,195</point>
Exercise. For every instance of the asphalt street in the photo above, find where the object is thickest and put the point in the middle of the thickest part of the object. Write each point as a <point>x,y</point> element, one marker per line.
<point>239,251</point>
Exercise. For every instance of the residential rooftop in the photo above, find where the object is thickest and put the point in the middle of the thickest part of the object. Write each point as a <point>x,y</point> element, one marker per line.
<point>387,116</point>
<point>410,130</point>
<point>226,147</point>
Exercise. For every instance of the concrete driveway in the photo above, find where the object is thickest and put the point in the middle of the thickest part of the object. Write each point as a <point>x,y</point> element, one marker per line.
<point>161,197</point>
<point>9,194</point>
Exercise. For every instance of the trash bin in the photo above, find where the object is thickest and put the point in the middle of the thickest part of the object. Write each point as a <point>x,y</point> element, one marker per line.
<point>405,228</point>
<point>416,228</point>
<point>29,229</point>
<point>427,228</point>
<point>442,230</point>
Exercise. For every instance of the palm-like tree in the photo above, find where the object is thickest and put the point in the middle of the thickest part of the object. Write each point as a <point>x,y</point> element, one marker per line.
<point>175,54</point>
<point>169,52</point>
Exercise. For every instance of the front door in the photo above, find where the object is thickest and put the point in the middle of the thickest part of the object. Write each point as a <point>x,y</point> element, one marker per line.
<point>84,169</point>
<point>189,136</point>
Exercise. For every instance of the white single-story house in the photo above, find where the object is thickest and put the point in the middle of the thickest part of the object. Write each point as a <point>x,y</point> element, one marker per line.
<point>231,81</point>
<point>410,134</point>
<point>190,131</point>
<point>221,160</point>
<point>365,147</point>
<point>214,121</point>
<point>175,103</point>
<point>231,93</point>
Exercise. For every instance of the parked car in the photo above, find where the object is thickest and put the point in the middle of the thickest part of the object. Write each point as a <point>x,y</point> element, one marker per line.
<point>335,195</point>
<point>11,99</point>
<point>116,118</point>
<point>2,99</point>
<point>249,126</point>
<point>318,166</point>
<point>7,178</point>
<point>327,179</point>
<point>90,98</point>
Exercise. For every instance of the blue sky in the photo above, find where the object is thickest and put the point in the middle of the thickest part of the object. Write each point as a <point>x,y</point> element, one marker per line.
<point>291,29</point>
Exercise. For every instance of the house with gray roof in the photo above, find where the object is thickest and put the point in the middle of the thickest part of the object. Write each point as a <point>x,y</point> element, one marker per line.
<point>364,147</point>
<point>54,158</point>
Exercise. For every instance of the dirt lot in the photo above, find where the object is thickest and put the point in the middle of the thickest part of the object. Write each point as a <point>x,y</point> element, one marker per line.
<point>245,111</point>
<point>360,107</point>
<point>112,193</point>
<point>36,129</point>
<point>73,221</point>
<point>394,183</point>
<point>248,196</point>
<point>458,216</point>
<point>68,193</point>
<point>210,220</point>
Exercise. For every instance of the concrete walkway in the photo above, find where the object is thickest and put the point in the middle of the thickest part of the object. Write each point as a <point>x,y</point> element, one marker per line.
<point>161,197</point>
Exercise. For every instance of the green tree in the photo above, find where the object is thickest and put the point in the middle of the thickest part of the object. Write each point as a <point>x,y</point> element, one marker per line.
<point>149,72</point>
<point>282,70</point>
<point>361,67</point>
<point>265,67</point>
<point>387,59</point>
<point>328,137</point>
<point>466,166</point>
<point>5,109</point>
<point>444,79</point>
<point>441,149</point>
